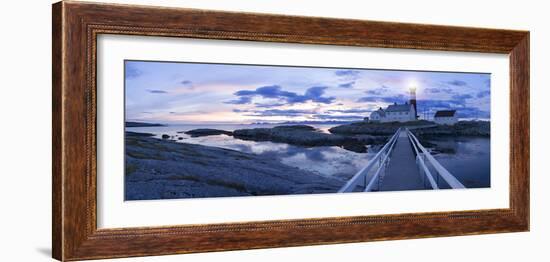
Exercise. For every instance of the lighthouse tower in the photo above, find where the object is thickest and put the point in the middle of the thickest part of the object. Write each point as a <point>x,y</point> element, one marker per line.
<point>412,101</point>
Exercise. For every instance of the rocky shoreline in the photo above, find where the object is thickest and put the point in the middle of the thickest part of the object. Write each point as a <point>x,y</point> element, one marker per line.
<point>462,128</point>
<point>421,128</point>
<point>303,135</point>
<point>300,135</point>
<point>353,137</point>
<point>207,132</point>
<point>162,169</point>
<point>376,128</point>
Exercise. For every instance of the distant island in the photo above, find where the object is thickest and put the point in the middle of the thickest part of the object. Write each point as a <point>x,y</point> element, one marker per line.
<point>141,124</point>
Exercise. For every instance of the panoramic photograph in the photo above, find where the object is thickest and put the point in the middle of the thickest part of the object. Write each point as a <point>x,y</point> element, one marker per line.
<point>201,130</point>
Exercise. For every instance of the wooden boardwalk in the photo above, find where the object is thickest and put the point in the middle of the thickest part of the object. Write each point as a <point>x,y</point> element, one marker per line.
<point>402,172</point>
<point>395,168</point>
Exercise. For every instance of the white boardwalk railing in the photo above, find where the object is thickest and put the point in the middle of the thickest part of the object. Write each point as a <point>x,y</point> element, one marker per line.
<point>382,158</point>
<point>421,164</point>
<point>422,154</point>
<point>361,178</point>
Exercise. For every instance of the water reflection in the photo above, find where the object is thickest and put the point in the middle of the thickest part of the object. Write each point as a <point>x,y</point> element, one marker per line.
<point>468,159</point>
<point>326,161</point>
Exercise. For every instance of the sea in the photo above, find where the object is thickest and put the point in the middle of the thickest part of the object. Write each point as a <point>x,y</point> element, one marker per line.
<point>468,159</point>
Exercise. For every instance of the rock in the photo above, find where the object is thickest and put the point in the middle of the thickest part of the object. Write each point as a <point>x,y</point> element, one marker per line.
<point>376,128</point>
<point>207,132</point>
<point>161,169</point>
<point>308,136</point>
<point>371,140</point>
<point>295,135</point>
<point>462,128</point>
<point>357,148</point>
<point>361,128</point>
<point>129,133</point>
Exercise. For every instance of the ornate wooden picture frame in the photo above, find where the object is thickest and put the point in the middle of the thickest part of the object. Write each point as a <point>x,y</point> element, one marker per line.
<point>76,26</point>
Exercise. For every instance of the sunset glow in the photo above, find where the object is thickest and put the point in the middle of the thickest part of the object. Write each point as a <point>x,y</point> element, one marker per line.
<point>167,92</point>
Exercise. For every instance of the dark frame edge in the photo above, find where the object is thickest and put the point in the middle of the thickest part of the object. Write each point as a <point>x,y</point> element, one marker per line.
<point>57,75</point>
<point>520,131</point>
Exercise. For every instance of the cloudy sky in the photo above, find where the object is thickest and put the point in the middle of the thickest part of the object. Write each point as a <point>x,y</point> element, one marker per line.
<point>220,93</point>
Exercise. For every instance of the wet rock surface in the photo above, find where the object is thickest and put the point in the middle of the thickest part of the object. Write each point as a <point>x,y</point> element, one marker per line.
<point>303,135</point>
<point>207,132</point>
<point>462,128</point>
<point>376,128</point>
<point>161,169</point>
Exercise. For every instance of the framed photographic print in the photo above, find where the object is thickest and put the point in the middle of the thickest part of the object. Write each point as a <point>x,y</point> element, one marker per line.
<point>182,130</point>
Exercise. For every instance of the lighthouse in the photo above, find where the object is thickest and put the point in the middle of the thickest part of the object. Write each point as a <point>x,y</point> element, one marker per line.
<point>396,112</point>
<point>412,101</point>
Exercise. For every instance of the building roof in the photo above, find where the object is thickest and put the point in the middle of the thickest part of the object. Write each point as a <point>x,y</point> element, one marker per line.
<point>445,113</point>
<point>380,112</point>
<point>399,108</point>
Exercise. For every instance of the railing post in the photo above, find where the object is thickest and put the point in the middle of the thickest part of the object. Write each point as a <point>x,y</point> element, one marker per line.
<point>382,158</point>
<point>441,171</point>
<point>420,156</point>
<point>421,170</point>
<point>382,174</point>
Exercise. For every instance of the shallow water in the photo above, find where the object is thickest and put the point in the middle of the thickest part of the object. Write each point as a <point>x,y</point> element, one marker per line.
<point>470,162</point>
<point>327,161</point>
<point>468,159</point>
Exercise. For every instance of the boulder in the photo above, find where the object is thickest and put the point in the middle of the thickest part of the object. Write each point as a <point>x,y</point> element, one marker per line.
<point>295,135</point>
<point>207,132</point>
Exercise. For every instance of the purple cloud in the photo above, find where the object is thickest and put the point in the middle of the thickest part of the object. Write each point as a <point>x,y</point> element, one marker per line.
<point>278,112</point>
<point>131,71</point>
<point>155,91</point>
<point>350,111</point>
<point>438,90</point>
<point>347,72</point>
<point>347,85</point>
<point>240,101</point>
<point>338,117</point>
<point>385,99</point>
<point>462,97</point>
<point>456,83</point>
<point>314,94</point>
<point>483,94</point>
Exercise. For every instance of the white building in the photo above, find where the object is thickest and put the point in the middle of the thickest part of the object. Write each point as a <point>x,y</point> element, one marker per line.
<point>397,113</point>
<point>394,113</point>
<point>445,117</point>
